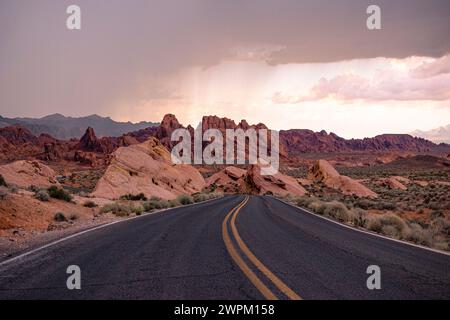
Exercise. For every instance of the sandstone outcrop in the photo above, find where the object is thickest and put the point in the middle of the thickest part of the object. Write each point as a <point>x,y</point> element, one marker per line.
<point>147,168</point>
<point>323,172</point>
<point>236,180</point>
<point>24,173</point>
<point>393,183</point>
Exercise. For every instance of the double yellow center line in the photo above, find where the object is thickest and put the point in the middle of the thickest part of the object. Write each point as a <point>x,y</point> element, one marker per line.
<point>237,258</point>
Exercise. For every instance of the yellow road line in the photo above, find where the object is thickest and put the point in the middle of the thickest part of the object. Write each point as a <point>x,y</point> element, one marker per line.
<point>265,291</point>
<point>275,280</point>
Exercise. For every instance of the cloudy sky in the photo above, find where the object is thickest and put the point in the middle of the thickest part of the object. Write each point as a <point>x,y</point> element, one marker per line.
<point>288,63</point>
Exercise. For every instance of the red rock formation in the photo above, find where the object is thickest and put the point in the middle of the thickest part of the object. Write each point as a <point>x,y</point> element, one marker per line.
<point>147,168</point>
<point>235,180</point>
<point>89,142</point>
<point>299,141</point>
<point>164,132</point>
<point>393,183</point>
<point>323,172</point>
<point>24,173</point>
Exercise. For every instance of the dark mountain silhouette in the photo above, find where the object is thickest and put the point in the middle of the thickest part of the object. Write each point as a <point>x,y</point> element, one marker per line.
<point>64,128</point>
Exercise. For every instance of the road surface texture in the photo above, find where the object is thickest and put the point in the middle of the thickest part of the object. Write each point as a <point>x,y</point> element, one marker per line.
<point>236,247</point>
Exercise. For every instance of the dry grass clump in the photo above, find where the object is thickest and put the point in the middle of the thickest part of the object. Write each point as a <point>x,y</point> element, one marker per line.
<point>118,209</point>
<point>202,196</point>
<point>185,199</point>
<point>156,203</point>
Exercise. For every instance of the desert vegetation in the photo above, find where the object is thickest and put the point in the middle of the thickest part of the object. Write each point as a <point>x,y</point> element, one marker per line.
<point>127,206</point>
<point>433,232</point>
<point>59,193</point>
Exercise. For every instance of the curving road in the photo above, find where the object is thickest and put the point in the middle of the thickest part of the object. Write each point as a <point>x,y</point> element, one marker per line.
<point>237,247</point>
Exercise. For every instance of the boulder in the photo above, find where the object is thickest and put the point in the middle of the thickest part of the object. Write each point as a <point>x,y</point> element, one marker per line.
<point>24,173</point>
<point>393,183</point>
<point>278,184</point>
<point>236,180</point>
<point>147,168</point>
<point>323,172</point>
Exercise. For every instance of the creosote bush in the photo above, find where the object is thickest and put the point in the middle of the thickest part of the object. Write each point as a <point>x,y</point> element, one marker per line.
<point>59,217</point>
<point>120,210</point>
<point>155,203</point>
<point>89,204</point>
<point>59,193</point>
<point>42,195</point>
<point>134,197</point>
<point>185,199</point>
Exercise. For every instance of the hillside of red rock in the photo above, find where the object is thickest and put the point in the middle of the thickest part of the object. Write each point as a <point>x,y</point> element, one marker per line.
<point>299,141</point>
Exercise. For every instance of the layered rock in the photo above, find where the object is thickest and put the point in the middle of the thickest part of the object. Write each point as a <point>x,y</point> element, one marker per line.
<point>164,132</point>
<point>147,168</point>
<point>278,184</point>
<point>323,172</point>
<point>300,141</point>
<point>393,183</point>
<point>24,173</point>
<point>227,180</point>
<point>89,142</point>
<point>236,180</point>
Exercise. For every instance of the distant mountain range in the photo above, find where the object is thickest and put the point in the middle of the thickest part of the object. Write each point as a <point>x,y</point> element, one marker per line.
<point>64,128</point>
<point>101,136</point>
<point>438,135</point>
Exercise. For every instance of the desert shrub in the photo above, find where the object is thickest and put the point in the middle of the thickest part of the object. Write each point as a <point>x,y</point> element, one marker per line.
<point>441,226</point>
<point>89,204</point>
<point>360,217</point>
<point>134,197</point>
<point>73,216</point>
<point>338,211</point>
<point>59,193</point>
<point>173,203</point>
<point>385,205</point>
<point>185,199</point>
<point>374,224</point>
<point>2,181</point>
<point>365,204</point>
<point>379,224</point>
<point>42,195</point>
<point>137,210</point>
<point>200,197</point>
<point>155,203</point>
<point>317,206</point>
<point>33,188</point>
<point>390,231</point>
<point>304,201</point>
<point>59,217</point>
<point>417,234</point>
<point>117,209</point>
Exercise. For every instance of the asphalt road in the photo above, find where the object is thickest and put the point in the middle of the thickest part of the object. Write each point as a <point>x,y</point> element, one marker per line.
<point>236,247</point>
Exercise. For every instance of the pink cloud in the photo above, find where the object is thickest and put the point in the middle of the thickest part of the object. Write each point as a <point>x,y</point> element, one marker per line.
<point>429,81</point>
